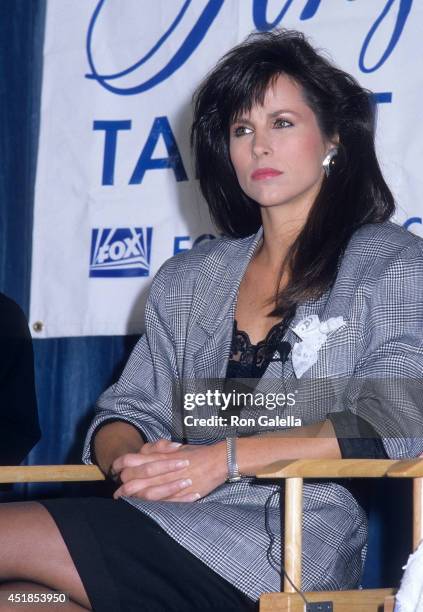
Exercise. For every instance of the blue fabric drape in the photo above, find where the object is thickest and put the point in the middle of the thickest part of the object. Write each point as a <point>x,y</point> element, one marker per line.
<point>72,372</point>
<point>21,36</point>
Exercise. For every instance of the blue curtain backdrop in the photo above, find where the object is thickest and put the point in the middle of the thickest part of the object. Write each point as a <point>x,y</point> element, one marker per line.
<point>72,372</point>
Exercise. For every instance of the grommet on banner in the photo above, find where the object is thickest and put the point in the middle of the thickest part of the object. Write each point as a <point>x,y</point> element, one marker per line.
<point>38,326</point>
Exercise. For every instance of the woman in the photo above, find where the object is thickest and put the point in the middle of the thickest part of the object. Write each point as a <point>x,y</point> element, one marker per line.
<point>284,149</point>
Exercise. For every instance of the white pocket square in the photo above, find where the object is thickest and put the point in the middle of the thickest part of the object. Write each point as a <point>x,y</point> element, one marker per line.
<point>313,334</point>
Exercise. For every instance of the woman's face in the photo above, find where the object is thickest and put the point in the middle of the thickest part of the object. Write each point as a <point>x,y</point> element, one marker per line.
<point>277,149</point>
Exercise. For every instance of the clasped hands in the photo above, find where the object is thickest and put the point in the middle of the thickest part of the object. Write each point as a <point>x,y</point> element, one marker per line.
<point>165,470</point>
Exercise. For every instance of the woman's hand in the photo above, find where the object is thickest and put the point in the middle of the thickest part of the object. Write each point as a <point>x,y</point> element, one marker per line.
<point>152,450</point>
<point>162,472</point>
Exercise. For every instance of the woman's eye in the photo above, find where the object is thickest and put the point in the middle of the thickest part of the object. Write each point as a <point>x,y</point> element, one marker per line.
<point>282,123</point>
<point>240,130</point>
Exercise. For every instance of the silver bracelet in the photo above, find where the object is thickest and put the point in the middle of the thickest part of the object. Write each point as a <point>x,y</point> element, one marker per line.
<point>233,471</point>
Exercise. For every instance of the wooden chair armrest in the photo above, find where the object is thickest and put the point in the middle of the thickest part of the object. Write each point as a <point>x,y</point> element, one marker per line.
<point>407,468</point>
<point>50,473</point>
<point>329,468</point>
<point>389,604</point>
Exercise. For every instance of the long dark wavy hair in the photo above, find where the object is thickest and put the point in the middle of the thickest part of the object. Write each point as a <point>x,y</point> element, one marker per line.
<point>355,192</point>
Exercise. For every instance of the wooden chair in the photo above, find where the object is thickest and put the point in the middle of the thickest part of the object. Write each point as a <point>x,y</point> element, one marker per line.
<point>294,472</point>
<point>49,473</point>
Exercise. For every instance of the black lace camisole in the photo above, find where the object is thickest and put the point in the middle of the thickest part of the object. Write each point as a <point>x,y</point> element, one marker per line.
<point>248,360</point>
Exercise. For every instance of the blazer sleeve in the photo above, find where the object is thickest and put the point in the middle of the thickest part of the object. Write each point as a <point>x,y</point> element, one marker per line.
<point>387,386</point>
<point>144,394</point>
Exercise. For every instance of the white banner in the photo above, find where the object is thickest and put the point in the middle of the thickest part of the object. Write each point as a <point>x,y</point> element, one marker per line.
<point>115,190</point>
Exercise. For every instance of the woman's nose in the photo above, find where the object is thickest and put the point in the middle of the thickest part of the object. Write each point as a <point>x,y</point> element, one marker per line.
<point>261,144</point>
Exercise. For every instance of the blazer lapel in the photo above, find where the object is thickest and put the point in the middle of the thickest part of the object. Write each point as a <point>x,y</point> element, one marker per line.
<point>215,325</point>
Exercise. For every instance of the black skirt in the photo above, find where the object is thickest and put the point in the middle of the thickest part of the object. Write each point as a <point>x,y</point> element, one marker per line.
<point>128,563</point>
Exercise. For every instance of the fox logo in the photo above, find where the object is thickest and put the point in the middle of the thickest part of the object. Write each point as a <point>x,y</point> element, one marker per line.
<point>122,251</point>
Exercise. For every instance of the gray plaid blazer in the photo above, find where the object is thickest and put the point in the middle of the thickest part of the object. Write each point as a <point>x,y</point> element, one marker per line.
<point>189,321</point>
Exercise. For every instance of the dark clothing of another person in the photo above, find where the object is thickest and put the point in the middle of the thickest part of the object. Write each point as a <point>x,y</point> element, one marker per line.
<point>20,428</point>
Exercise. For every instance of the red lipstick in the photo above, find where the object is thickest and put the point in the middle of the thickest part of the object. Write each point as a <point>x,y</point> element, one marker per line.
<point>264,173</point>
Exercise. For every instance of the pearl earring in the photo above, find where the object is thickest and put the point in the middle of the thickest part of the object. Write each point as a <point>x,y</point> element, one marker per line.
<point>329,162</point>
